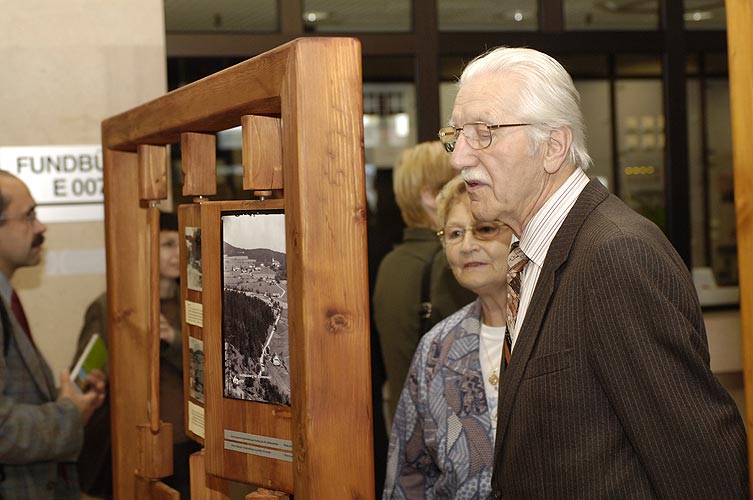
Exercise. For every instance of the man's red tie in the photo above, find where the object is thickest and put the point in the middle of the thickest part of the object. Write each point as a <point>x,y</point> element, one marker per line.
<point>18,310</point>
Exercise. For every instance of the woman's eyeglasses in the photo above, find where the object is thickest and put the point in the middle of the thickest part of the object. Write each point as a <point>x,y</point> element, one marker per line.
<point>485,231</point>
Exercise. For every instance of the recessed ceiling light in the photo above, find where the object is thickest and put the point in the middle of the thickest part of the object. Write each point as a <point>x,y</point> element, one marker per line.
<point>698,15</point>
<point>315,16</point>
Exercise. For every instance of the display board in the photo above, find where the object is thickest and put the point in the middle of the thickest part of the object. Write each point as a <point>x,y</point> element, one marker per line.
<point>247,342</point>
<point>189,217</point>
<point>300,106</point>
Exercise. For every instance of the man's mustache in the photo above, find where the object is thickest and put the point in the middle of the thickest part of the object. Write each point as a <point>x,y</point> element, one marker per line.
<point>38,240</point>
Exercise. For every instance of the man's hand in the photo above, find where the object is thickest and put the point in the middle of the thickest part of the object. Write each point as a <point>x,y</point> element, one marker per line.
<point>166,331</point>
<point>89,400</point>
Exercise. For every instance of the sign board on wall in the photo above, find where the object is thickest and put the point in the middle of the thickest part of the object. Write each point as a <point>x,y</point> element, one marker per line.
<point>65,181</point>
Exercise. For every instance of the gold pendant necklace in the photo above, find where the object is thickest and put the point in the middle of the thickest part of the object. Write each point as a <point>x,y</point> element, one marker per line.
<point>493,378</point>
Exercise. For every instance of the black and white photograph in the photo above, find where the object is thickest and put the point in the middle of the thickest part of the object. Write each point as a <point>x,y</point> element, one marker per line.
<point>256,356</point>
<point>193,257</point>
<point>196,368</point>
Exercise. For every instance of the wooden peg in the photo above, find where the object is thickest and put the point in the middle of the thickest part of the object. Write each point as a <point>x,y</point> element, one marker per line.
<point>152,172</point>
<point>262,152</point>
<point>265,494</point>
<point>155,451</point>
<point>198,158</point>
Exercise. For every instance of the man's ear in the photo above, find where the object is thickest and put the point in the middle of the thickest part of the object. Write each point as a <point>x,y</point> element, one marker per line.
<point>557,149</point>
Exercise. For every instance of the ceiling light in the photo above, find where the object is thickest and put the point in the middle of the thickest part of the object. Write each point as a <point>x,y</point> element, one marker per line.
<point>315,16</point>
<point>698,15</point>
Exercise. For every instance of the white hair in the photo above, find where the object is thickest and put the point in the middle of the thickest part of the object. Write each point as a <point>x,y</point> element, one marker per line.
<point>548,98</point>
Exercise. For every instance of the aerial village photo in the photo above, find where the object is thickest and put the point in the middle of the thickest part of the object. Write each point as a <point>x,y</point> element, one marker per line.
<point>256,356</point>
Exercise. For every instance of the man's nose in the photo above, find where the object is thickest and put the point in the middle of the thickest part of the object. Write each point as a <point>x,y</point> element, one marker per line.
<point>459,158</point>
<point>39,227</point>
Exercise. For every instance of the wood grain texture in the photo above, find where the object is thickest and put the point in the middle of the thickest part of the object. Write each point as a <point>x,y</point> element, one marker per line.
<point>211,104</point>
<point>232,414</point>
<point>740,57</point>
<point>265,494</point>
<point>161,491</point>
<point>198,157</point>
<point>204,486</point>
<point>325,206</point>
<point>154,490</point>
<point>153,292</point>
<point>152,172</point>
<point>155,451</point>
<point>127,278</point>
<point>262,152</point>
<point>314,86</point>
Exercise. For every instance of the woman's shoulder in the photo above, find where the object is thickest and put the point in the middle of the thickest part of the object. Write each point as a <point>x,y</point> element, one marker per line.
<point>450,325</point>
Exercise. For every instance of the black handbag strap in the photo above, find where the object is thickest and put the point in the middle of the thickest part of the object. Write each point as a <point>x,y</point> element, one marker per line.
<point>425,311</point>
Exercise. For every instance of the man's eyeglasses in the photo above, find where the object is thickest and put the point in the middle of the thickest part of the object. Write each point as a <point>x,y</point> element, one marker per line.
<point>478,134</point>
<point>485,231</point>
<point>29,217</point>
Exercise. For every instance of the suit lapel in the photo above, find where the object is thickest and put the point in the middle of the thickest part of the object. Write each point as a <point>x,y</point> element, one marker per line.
<point>37,368</point>
<point>559,250</point>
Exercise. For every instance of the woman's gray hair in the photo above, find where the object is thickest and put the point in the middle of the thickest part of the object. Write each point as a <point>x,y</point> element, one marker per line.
<point>548,98</point>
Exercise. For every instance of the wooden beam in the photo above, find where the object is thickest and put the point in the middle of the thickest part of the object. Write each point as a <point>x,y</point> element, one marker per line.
<point>740,56</point>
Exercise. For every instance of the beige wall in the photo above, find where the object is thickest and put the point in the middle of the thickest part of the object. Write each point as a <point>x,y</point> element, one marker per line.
<point>65,67</point>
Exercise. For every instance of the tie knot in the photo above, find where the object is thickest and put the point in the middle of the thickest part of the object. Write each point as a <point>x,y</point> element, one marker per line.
<point>516,260</point>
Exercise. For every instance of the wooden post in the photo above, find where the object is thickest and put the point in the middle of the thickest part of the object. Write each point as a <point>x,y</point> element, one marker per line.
<point>155,440</point>
<point>740,56</point>
<point>127,278</point>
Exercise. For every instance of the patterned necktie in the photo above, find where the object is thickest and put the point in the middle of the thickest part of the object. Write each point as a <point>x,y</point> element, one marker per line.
<point>516,261</point>
<point>18,311</point>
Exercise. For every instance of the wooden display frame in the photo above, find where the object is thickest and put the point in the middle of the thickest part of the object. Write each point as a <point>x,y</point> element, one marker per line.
<point>255,421</point>
<point>313,87</point>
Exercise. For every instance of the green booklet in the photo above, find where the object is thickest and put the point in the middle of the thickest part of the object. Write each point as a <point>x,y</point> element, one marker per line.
<point>93,357</point>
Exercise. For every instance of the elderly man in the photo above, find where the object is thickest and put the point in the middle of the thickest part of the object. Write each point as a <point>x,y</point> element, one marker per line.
<point>41,430</point>
<point>606,391</point>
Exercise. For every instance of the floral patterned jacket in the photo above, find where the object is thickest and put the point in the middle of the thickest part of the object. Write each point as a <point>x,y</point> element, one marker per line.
<point>442,444</point>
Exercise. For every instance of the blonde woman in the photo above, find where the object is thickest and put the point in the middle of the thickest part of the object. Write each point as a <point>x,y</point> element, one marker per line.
<point>442,440</point>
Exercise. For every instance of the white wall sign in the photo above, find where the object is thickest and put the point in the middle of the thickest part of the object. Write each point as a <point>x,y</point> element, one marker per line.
<point>65,181</point>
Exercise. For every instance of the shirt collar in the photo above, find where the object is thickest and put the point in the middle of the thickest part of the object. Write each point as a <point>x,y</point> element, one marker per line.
<point>543,226</point>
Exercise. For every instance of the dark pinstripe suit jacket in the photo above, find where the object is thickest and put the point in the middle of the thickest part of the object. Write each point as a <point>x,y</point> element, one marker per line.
<point>609,394</point>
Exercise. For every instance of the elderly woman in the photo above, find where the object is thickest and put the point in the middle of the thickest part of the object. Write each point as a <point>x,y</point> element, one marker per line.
<point>419,174</point>
<point>442,438</point>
